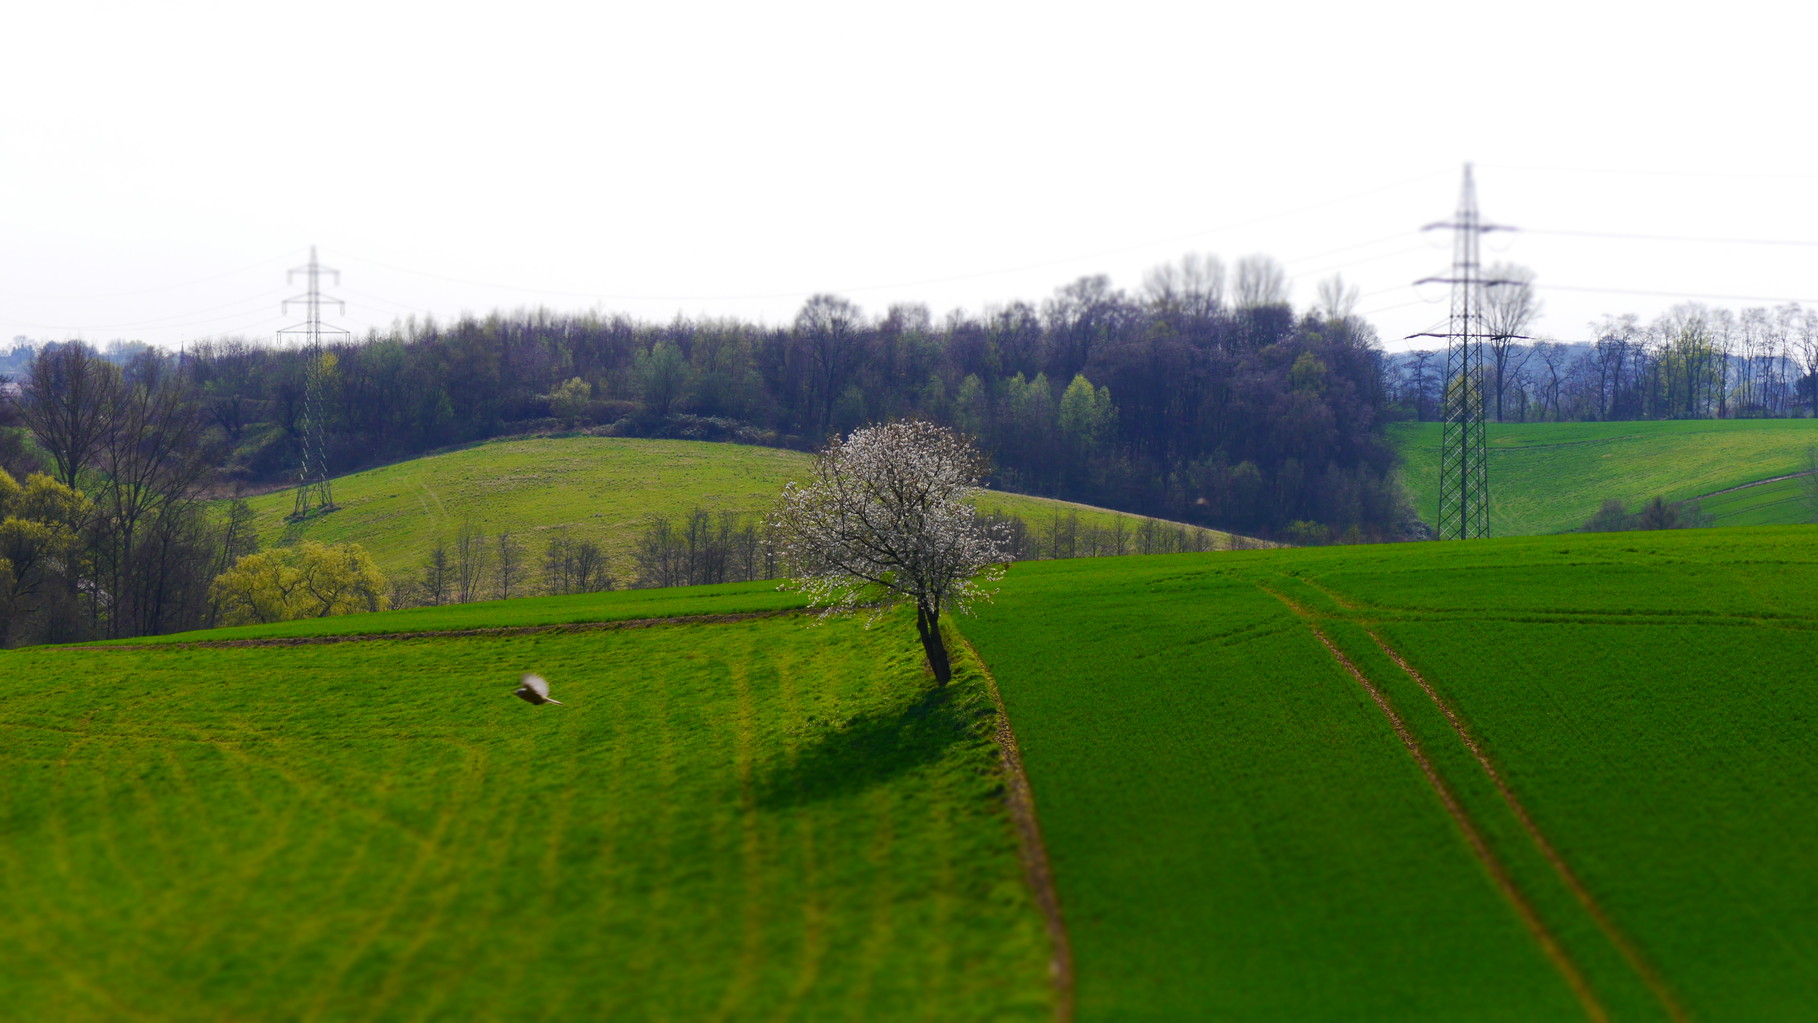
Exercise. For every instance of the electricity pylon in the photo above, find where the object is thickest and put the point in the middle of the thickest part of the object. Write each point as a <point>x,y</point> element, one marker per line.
<point>313,488</point>
<point>1464,478</point>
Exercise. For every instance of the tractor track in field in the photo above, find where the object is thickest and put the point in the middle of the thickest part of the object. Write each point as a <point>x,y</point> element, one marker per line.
<point>1616,937</point>
<point>1357,613</point>
<point>1474,838</point>
<point>495,630</point>
<point>1753,483</point>
<point>1036,867</point>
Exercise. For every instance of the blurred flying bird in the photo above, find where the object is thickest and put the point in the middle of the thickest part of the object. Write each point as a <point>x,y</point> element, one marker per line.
<point>532,689</point>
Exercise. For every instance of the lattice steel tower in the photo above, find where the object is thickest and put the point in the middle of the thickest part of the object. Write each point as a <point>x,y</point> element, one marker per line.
<point>313,488</point>
<point>1464,482</point>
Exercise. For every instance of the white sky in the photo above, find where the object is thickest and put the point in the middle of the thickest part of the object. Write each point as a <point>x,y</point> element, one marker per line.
<point>162,165</point>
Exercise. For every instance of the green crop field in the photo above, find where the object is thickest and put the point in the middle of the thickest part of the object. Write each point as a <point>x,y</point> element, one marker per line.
<point>1551,477</point>
<point>747,819</point>
<point>602,489</point>
<point>1550,778</point>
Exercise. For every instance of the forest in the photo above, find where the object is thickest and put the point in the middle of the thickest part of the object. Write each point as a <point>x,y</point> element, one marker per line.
<point>1188,400</point>
<point>1692,362</point>
<point>1201,397</point>
<point>1196,398</point>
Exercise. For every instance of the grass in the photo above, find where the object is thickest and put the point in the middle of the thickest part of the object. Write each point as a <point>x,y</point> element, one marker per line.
<point>595,488</point>
<point>1238,830</point>
<point>603,489</point>
<point>1551,477</point>
<point>751,819</point>
<point>521,612</point>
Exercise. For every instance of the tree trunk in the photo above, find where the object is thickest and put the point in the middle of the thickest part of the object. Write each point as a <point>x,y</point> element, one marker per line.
<point>928,623</point>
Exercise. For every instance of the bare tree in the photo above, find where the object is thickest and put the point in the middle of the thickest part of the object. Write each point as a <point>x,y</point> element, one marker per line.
<point>832,328</point>
<point>1613,351</point>
<point>1556,358</point>
<point>66,401</point>
<point>1424,382</point>
<point>575,566</point>
<point>1804,344</point>
<point>470,557</point>
<point>1260,281</point>
<point>148,496</point>
<point>884,521</point>
<point>1337,300</point>
<point>1189,292</point>
<point>436,574</point>
<point>1509,308</point>
<point>510,561</point>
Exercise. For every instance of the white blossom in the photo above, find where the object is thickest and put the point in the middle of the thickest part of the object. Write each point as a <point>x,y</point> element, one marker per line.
<point>885,520</point>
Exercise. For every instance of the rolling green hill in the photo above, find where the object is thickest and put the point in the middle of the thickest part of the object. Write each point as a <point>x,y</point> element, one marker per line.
<point>1551,477</point>
<point>1586,795</point>
<point>602,489</point>
<point>737,819</point>
<point>1526,779</point>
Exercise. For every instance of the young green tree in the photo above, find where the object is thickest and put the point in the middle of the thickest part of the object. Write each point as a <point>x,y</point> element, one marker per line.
<point>1088,419</point>
<point>568,401</point>
<point>40,537</point>
<point>884,520</point>
<point>312,580</point>
<point>662,375</point>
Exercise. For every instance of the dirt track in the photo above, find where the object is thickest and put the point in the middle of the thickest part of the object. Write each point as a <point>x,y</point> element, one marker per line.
<point>1360,615</point>
<point>500,630</point>
<point>1034,853</point>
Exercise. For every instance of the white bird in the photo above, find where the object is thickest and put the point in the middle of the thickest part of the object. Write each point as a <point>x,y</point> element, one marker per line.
<point>532,689</point>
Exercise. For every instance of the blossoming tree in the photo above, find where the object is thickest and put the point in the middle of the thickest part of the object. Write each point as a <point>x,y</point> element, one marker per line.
<point>884,521</point>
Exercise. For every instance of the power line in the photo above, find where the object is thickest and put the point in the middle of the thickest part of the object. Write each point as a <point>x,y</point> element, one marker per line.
<point>1389,308</point>
<point>1355,262</point>
<point>947,279</point>
<point>1660,171</point>
<point>162,287</point>
<point>1397,236</point>
<point>1678,294</point>
<point>162,323</point>
<point>1624,236</point>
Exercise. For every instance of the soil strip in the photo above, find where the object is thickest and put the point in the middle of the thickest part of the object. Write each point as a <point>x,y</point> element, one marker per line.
<point>497,630</point>
<point>1034,854</point>
<point>1757,483</point>
<point>1473,837</point>
<point>1629,952</point>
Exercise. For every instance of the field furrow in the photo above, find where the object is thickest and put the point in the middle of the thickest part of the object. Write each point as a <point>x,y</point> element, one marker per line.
<point>1621,722</point>
<point>1550,944</point>
<point>735,818</point>
<point>1621,941</point>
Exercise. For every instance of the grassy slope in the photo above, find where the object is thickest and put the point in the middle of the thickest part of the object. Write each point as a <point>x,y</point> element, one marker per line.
<point>1551,477</point>
<point>1237,831</point>
<point>597,488</point>
<point>746,820</point>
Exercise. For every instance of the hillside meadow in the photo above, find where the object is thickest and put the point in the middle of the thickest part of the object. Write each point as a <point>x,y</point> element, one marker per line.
<point>1541,778</point>
<point>728,819</point>
<point>1526,779</point>
<point>600,489</point>
<point>1551,477</point>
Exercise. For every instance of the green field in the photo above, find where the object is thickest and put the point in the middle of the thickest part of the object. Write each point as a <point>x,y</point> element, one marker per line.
<point>602,489</point>
<point>1551,477</point>
<point>1238,830</point>
<point>1524,779</point>
<point>747,819</point>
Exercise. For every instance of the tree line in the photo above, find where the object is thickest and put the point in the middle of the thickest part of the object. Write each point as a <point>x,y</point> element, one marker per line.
<point>706,547</point>
<point>1692,362</point>
<point>1201,396</point>
<point>114,537</point>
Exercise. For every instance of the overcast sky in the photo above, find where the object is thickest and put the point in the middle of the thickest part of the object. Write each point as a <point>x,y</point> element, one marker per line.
<point>162,165</point>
